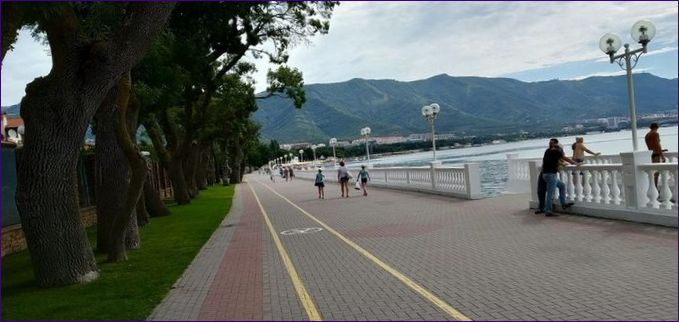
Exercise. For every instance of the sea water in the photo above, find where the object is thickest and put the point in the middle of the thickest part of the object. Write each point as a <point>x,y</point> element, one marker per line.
<point>492,158</point>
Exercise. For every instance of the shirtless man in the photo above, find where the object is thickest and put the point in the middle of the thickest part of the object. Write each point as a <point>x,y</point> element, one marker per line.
<point>579,150</point>
<point>653,144</point>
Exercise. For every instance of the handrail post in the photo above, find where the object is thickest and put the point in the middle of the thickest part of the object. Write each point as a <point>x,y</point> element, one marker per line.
<point>633,178</point>
<point>472,180</point>
<point>432,169</point>
<point>534,172</point>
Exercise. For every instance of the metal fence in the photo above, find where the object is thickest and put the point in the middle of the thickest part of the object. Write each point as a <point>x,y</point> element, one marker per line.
<point>86,183</point>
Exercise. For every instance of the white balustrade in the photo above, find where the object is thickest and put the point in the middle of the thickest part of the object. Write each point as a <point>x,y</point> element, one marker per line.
<point>664,195</point>
<point>518,173</point>
<point>602,186</point>
<point>461,182</point>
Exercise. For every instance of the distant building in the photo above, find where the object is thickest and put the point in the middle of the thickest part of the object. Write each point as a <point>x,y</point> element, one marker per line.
<point>419,137</point>
<point>11,123</point>
<point>343,143</point>
<point>390,139</point>
<point>294,146</point>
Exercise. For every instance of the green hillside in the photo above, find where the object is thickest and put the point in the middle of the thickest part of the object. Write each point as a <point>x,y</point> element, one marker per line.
<point>472,105</point>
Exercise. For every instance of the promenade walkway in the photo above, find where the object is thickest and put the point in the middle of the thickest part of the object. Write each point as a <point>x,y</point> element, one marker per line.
<point>410,256</point>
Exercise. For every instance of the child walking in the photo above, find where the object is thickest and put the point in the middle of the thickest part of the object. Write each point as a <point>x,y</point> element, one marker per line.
<point>319,183</point>
<point>364,176</point>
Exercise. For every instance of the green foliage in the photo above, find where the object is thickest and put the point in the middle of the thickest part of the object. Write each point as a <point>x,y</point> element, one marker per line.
<point>196,66</point>
<point>288,81</point>
<point>127,290</point>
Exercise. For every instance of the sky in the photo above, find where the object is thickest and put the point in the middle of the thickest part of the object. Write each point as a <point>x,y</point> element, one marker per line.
<point>529,41</point>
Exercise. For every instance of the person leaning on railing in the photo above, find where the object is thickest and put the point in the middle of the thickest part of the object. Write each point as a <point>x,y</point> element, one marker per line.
<point>550,166</point>
<point>653,143</point>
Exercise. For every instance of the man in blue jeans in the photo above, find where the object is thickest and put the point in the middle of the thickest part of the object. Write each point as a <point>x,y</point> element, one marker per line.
<point>550,166</point>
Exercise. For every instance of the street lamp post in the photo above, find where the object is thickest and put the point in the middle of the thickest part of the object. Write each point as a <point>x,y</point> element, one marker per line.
<point>365,132</point>
<point>313,150</point>
<point>642,32</point>
<point>430,112</point>
<point>333,142</point>
<point>301,152</point>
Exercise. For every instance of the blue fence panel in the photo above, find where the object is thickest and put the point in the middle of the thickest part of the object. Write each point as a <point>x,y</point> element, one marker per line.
<point>10,215</point>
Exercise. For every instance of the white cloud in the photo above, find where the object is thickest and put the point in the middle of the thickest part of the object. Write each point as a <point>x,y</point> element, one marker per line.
<point>603,74</point>
<point>414,40</point>
<point>27,61</point>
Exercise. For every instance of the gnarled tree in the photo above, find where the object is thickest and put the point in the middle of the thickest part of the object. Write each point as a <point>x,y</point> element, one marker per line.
<point>89,53</point>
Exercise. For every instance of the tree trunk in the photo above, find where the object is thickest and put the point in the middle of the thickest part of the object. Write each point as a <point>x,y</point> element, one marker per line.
<point>124,229</point>
<point>142,217</point>
<point>190,166</point>
<point>212,172</point>
<point>235,175</point>
<point>202,168</point>
<point>113,171</point>
<point>154,204</point>
<point>47,188</point>
<point>176,173</point>
<point>171,162</point>
<point>132,240</point>
<point>142,212</point>
<point>56,111</point>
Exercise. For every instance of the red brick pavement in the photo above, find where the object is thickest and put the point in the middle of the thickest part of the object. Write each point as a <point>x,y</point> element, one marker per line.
<point>237,290</point>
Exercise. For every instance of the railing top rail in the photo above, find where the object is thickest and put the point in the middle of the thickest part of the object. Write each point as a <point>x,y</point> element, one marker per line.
<point>612,166</point>
<point>659,166</point>
<point>593,157</point>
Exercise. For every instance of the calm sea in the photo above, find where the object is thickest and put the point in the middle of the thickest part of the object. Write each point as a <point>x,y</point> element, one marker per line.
<point>492,158</point>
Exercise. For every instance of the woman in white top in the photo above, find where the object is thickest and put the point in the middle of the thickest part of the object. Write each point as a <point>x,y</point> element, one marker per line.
<point>343,178</point>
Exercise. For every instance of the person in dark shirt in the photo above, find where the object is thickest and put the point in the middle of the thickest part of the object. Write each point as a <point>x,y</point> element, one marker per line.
<point>550,166</point>
<point>542,189</point>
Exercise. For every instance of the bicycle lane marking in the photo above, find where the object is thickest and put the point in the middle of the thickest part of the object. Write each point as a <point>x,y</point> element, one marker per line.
<point>426,294</point>
<point>302,293</point>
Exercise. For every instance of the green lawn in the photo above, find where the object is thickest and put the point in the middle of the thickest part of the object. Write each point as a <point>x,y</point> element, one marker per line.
<point>124,291</point>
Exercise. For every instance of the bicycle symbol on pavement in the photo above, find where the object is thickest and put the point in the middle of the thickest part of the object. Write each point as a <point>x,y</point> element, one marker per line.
<point>297,231</point>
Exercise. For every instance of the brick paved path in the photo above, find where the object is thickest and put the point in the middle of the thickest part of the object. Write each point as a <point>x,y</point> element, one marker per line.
<point>489,259</point>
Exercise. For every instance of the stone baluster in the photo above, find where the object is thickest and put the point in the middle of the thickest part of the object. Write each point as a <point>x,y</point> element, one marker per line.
<point>615,188</point>
<point>588,186</point>
<point>570,187</point>
<point>578,184</point>
<point>665,191</point>
<point>675,186</point>
<point>652,192</point>
<point>597,187</point>
<point>606,176</point>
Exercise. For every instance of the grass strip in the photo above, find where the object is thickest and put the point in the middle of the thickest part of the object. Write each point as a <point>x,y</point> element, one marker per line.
<point>124,291</point>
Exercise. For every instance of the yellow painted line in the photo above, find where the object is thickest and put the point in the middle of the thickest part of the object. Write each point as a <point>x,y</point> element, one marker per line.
<point>302,293</point>
<point>441,304</point>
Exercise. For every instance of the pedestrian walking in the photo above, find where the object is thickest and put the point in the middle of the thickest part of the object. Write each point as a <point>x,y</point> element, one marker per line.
<point>550,165</point>
<point>320,183</point>
<point>363,176</point>
<point>286,174</point>
<point>291,173</point>
<point>343,177</point>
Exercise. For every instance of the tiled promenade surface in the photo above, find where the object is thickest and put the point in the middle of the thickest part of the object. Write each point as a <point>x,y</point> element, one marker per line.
<point>489,259</point>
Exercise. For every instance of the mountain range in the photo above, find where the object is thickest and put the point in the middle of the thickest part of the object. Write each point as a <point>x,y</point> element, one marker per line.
<point>469,105</point>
